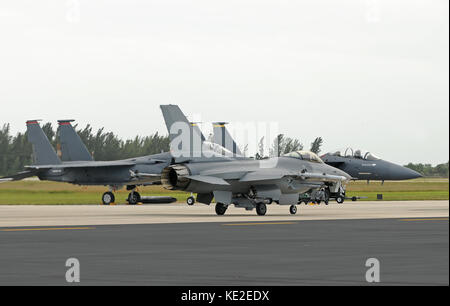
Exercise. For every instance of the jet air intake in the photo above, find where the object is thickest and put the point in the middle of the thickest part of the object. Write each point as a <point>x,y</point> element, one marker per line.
<point>175,177</point>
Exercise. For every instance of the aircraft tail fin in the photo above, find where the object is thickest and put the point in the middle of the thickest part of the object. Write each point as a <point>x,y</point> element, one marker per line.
<point>173,114</point>
<point>72,147</point>
<point>222,137</point>
<point>43,152</point>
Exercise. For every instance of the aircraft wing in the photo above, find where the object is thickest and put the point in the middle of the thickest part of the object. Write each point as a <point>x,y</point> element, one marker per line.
<point>18,176</point>
<point>262,175</point>
<point>86,164</point>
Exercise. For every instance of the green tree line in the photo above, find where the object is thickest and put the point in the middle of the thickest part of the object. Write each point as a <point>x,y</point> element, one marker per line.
<point>16,151</point>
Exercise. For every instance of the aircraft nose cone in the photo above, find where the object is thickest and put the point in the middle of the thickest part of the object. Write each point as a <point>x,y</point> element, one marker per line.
<point>402,173</point>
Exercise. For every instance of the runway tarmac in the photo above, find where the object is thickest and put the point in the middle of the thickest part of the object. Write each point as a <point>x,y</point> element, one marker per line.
<point>411,251</point>
<point>68,215</point>
<point>176,244</point>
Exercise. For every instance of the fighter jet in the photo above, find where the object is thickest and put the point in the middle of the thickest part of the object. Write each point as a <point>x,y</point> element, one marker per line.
<point>363,165</point>
<point>247,183</point>
<point>79,167</point>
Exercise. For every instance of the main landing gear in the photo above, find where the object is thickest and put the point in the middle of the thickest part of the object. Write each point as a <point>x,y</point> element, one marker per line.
<point>134,197</point>
<point>221,209</point>
<point>108,198</point>
<point>261,209</point>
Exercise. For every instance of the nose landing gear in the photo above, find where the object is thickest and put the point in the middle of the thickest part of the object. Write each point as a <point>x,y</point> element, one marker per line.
<point>293,209</point>
<point>190,200</point>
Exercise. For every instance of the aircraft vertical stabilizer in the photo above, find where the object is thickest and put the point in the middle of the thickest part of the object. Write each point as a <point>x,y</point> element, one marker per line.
<point>72,147</point>
<point>222,137</point>
<point>173,114</point>
<point>43,152</point>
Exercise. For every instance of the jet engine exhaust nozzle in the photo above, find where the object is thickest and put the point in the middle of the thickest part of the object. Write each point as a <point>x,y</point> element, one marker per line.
<point>175,177</point>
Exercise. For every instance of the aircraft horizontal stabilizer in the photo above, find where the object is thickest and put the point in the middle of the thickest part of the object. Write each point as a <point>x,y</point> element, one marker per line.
<point>208,179</point>
<point>18,176</point>
<point>92,164</point>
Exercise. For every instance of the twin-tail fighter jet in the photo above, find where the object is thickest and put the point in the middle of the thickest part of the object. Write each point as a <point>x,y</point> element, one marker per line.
<point>78,167</point>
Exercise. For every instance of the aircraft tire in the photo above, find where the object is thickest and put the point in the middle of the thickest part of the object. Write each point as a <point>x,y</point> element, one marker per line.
<point>190,200</point>
<point>108,198</point>
<point>221,209</point>
<point>327,196</point>
<point>134,198</point>
<point>293,209</point>
<point>261,209</point>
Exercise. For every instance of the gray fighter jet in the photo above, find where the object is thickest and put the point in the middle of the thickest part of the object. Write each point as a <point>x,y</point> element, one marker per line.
<point>79,167</point>
<point>363,165</point>
<point>250,183</point>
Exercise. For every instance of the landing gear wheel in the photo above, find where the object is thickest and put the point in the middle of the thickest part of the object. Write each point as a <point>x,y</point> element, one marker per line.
<point>190,200</point>
<point>340,199</point>
<point>134,198</point>
<point>108,198</point>
<point>293,209</point>
<point>327,196</point>
<point>261,209</point>
<point>221,209</point>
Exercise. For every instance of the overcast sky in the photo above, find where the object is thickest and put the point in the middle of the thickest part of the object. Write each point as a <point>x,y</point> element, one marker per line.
<point>363,73</point>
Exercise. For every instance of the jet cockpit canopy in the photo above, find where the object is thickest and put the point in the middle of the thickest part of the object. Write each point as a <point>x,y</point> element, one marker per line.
<point>305,155</point>
<point>360,154</point>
